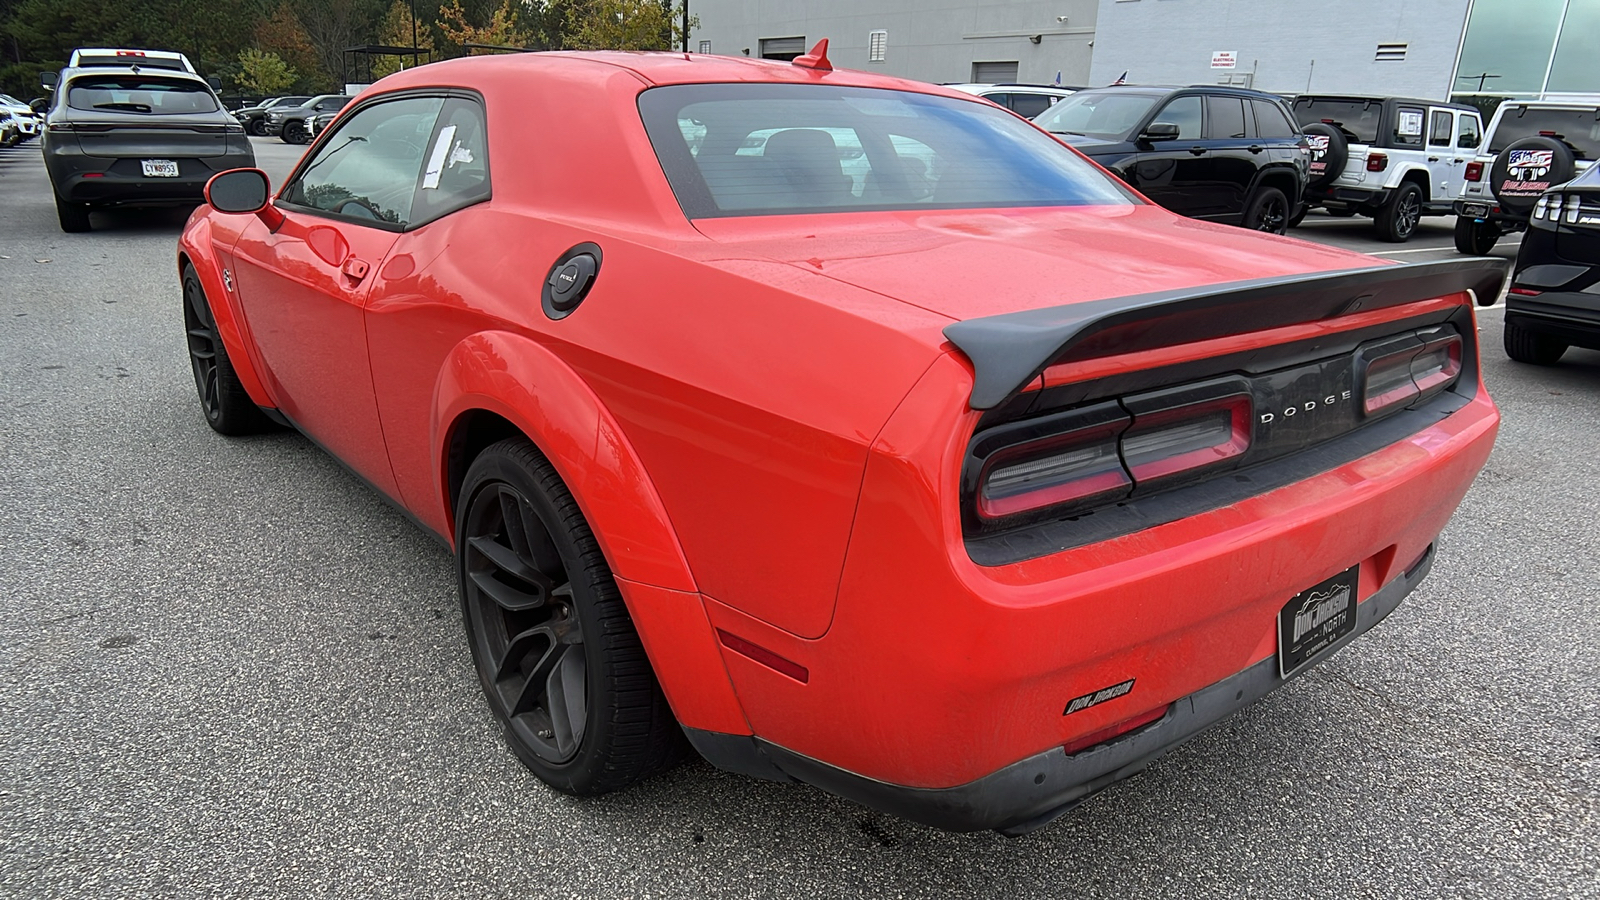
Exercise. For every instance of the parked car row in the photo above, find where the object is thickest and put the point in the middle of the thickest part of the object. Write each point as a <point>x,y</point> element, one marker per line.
<point>18,122</point>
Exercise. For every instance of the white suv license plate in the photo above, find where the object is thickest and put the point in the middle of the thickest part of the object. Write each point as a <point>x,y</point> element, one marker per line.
<point>1479,210</point>
<point>159,168</point>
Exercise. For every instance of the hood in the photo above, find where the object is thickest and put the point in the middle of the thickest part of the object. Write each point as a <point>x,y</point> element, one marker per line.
<point>1089,144</point>
<point>968,264</point>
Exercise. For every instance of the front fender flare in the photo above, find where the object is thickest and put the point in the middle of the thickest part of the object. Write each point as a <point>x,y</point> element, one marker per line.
<point>197,248</point>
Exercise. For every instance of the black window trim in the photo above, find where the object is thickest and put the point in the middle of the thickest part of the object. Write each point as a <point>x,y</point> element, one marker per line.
<point>355,107</point>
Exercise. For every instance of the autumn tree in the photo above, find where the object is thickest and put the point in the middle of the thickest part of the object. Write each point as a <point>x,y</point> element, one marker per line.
<point>282,34</point>
<point>503,29</point>
<point>396,30</point>
<point>625,25</point>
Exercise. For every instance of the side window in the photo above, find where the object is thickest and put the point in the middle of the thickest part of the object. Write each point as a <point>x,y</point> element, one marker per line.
<point>1029,105</point>
<point>1441,128</point>
<point>367,170</point>
<point>1468,133</point>
<point>1271,122</point>
<point>1001,99</point>
<point>1183,112</point>
<point>457,172</point>
<point>1227,117</point>
<point>1408,127</point>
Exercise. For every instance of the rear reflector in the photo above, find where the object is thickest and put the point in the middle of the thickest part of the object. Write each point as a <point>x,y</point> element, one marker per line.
<point>1526,292</point>
<point>1117,730</point>
<point>762,655</point>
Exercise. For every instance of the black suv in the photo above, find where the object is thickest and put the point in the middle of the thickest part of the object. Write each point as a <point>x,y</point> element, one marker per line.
<point>1554,300</point>
<point>135,135</point>
<point>1210,152</point>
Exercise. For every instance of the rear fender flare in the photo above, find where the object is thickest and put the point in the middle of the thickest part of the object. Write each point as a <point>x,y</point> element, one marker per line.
<point>523,382</point>
<point>195,248</point>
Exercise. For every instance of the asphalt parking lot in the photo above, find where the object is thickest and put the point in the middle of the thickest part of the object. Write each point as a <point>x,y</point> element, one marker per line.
<point>230,670</point>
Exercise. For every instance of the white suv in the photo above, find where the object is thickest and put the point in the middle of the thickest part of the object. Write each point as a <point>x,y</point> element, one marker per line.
<point>1391,158</point>
<point>1532,145</point>
<point>1026,100</point>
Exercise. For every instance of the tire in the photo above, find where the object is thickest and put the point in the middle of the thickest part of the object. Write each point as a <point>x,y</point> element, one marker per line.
<point>1531,347</point>
<point>1299,215</point>
<point>74,217</point>
<point>1397,219</point>
<point>1268,210</point>
<point>227,407</point>
<point>257,127</point>
<point>1330,152</point>
<point>1518,188</point>
<point>560,662</point>
<point>1475,238</point>
<point>294,133</point>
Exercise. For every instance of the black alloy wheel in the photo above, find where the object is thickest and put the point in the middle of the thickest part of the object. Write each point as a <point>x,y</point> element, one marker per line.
<point>294,132</point>
<point>228,408</point>
<point>257,127</point>
<point>1398,218</point>
<point>1475,238</point>
<point>560,662</point>
<point>1268,211</point>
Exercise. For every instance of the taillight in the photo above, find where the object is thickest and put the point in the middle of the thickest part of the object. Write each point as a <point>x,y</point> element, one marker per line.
<point>1377,162</point>
<point>1077,465</point>
<point>1474,171</point>
<point>60,126</point>
<point>1400,371</point>
<point>1187,430</point>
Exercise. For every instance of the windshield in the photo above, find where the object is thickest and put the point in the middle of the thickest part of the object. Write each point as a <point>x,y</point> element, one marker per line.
<point>1580,128</point>
<point>1357,119</point>
<point>140,94</point>
<point>764,149</point>
<point>1109,115</point>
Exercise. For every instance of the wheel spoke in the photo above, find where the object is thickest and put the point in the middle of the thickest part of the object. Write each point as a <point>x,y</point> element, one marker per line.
<point>520,646</point>
<point>567,699</point>
<point>512,597</point>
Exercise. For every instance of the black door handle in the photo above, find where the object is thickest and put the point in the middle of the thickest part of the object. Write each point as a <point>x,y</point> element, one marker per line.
<point>1198,151</point>
<point>1255,148</point>
<point>1433,159</point>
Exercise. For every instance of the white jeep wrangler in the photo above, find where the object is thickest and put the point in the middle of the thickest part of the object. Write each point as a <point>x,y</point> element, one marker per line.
<point>1532,145</point>
<point>1390,158</point>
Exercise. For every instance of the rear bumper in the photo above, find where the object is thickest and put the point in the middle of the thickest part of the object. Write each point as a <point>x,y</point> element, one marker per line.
<point>1489,211</point>
<point>1033,791</point>
<point>103,181</point>
<point>1571,316</point>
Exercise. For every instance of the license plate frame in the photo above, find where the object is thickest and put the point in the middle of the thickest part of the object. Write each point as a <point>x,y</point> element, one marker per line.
<point>1475,210</point>
<point>159,168</point>
<point>1316,619</point>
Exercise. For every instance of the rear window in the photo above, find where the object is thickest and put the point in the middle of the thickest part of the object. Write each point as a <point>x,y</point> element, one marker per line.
<point>1580,128</point>
<point>140,94</point>
<point>1358,119</point>
<point>764,149</point>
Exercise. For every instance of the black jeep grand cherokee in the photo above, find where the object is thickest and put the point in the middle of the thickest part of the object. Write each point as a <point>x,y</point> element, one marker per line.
<point>1210,152</point>
<point>1554,300</point>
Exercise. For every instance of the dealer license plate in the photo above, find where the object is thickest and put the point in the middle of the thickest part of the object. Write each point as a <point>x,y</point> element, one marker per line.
<point>1479,210</point>
<point>1315,620</point>
<point>159,168</point>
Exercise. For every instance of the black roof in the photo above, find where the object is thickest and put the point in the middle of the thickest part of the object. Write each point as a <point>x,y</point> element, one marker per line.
<point>1382,99</point>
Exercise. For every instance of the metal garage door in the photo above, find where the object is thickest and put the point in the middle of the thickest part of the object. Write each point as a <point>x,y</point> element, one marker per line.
<point>994,72</point>
<point>786,48</point>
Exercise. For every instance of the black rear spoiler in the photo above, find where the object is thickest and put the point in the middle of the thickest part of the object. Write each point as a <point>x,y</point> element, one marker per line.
<point>1008,351</point>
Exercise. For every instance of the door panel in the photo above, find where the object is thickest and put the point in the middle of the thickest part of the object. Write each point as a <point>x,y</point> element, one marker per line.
<point>1445,165</point>
<point>1235,154</point>
<point>1175,173</point>
<point>305,314</point>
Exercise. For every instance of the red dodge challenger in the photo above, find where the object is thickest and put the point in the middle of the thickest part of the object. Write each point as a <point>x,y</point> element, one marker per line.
<point>850,427</point>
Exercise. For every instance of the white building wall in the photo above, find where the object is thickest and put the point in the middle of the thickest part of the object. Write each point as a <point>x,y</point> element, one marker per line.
<point>935,40</point>
<point>1290,46</point>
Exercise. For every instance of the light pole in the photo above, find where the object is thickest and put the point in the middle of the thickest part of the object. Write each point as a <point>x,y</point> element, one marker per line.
<point>686,26</point>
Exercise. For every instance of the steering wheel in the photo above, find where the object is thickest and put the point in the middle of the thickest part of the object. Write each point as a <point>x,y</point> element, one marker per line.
<point>362,209</point>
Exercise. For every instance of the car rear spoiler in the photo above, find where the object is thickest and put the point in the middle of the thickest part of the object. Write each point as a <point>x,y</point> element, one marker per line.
<point>1010,350</point>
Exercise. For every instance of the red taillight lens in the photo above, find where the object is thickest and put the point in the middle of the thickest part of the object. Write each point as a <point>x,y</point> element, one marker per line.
<point>1474,171</point>
<point>1187,438</point>
<point>1399,371</point>
<point>1079,467</point>
<point>1377,162</point>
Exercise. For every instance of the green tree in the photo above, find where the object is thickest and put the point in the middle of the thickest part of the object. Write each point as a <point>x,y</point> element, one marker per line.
<point>625,25</point>
<point>280,32</point>
<point>264,73</point>
<point>396,30</point>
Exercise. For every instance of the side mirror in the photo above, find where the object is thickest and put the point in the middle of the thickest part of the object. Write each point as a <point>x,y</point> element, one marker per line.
<point>48,79</point>
<point>215,82</point>
<point>1159,131</point>
<point>238,191</point>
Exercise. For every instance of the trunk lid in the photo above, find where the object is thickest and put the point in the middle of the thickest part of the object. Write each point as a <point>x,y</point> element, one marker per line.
<point>119,137</point>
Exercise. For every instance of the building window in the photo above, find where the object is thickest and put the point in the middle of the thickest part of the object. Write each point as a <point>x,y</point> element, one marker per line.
<point>1508,47</point>
<point>705,46</point>
<point>994,72</point>
<point>877,46</point>
<point>784,49</point>
<point>1391,52</point>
